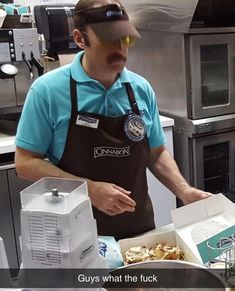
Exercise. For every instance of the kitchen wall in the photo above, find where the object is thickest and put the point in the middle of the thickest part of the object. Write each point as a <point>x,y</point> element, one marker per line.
<point>32,3</point>
<point>153,57</point>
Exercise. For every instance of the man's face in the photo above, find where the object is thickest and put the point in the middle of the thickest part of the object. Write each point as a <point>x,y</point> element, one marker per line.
<point>109,56</point>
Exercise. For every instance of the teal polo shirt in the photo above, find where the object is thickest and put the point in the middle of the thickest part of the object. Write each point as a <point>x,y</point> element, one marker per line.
<point>44,121</point>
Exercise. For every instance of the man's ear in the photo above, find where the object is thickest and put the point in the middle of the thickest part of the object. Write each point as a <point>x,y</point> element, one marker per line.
<point>78,38</point>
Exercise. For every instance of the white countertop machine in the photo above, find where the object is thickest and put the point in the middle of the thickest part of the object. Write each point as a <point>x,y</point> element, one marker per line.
<point>58,227</point>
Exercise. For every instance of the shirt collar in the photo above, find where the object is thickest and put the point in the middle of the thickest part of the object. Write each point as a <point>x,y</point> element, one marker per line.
<point>80,75</point>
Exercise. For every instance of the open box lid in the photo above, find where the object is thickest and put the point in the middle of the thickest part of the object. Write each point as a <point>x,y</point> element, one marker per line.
<point>204,222</point>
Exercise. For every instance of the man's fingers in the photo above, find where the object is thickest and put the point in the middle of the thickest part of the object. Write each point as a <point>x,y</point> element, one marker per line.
<point>124,207</point>
<point>123,196</point>
<point>111,212</point>
<point>118,210</point>
<point>110,198</point>
<point>122,189</point>
<point>126,199</point>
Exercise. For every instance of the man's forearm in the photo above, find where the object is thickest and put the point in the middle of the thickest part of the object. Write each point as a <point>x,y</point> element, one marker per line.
<point>37,168</point>
<point>165,169</point>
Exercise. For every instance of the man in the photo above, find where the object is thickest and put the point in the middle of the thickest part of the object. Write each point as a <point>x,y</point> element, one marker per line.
<point>96,120</point>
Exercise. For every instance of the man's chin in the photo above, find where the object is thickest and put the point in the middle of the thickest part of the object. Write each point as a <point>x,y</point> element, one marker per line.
<point>118,66</point>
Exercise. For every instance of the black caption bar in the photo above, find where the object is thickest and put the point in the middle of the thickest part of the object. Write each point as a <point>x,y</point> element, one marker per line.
<point>107,278</point>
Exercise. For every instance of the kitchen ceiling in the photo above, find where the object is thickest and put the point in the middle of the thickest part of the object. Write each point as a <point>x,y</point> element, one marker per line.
<point>161,15</point>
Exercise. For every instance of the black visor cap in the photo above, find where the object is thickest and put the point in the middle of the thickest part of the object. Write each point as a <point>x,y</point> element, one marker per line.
<point>109,22</point>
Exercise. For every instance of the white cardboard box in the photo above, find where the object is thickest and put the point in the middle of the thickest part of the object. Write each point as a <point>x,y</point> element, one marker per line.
<point>207,220</point>
<point>195,224</point>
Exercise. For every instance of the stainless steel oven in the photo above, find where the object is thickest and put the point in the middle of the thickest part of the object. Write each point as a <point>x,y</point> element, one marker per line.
<point>205,153</point>
<point>187,55</point>
<point>193,73</point>
<point>210,75</point>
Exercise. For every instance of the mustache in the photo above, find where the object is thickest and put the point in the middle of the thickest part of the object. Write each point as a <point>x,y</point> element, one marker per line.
<point>116,57</point>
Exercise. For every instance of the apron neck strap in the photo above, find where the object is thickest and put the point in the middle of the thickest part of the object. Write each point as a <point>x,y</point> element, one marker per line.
<point>131,96</point>
<point>73,94</point>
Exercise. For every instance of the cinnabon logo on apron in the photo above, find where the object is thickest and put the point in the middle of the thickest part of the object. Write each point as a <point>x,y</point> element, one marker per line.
<point>111,152</point>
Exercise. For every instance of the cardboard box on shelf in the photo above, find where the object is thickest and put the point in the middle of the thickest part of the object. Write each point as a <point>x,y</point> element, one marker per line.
<point>195,226</point>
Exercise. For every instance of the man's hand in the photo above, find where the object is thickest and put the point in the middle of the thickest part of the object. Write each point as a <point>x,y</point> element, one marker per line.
<point>110,198</point>
<point>191,194</point>
<point>164,167</point>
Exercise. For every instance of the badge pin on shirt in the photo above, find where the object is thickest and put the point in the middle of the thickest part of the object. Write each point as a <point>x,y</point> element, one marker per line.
<point>134,127</point>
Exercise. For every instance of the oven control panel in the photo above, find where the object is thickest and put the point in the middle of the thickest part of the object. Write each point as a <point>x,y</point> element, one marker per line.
<point>204,127</point>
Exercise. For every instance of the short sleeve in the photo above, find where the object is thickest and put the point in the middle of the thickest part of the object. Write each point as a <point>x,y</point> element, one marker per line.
<point>34,131</point>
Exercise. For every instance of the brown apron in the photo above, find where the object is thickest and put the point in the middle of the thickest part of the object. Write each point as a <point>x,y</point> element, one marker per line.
<point>98,148</point>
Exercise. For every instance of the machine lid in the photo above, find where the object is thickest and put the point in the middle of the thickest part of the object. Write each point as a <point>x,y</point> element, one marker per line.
<point>54,194</point>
